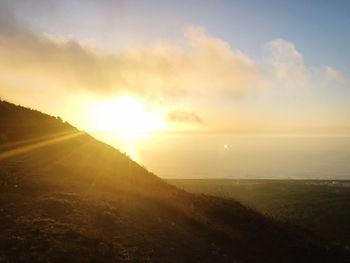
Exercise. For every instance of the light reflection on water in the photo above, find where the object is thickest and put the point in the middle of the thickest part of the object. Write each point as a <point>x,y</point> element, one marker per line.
<point>239,156</point>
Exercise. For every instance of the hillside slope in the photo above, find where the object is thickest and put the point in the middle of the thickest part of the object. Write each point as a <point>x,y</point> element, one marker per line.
<point>65,196</point>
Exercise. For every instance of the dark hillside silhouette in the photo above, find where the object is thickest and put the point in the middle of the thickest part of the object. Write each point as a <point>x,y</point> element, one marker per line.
<point>66,197</point>
<point>20,123</point>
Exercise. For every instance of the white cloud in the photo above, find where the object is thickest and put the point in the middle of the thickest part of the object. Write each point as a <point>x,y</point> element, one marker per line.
<point>287,64</point>
<point>334,75</point>
<point>203,69</point>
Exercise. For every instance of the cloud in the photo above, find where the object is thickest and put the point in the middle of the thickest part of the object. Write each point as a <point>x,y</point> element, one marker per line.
<point>334,75</point>
<point>184,117</point>
<point>286,64</point>
<point>203,73</point>
<point>202,65</point>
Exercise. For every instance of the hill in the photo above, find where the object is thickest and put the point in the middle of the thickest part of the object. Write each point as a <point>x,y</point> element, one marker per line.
<point>322,206</point>
<point>65,196</point>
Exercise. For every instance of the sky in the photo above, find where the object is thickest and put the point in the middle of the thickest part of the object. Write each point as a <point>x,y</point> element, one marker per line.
<point>131,72</point>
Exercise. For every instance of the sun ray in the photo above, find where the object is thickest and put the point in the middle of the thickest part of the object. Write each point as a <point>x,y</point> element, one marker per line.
<point>37,145</point>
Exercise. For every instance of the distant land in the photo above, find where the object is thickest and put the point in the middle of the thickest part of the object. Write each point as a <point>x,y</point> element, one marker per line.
<point>322,206</point>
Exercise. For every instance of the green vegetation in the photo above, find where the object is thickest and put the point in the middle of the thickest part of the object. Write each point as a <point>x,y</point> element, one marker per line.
<point>319,205</point>
<point>66,197</point>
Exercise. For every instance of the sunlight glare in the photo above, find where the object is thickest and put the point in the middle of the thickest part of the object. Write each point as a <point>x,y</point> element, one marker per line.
<point>125,115</point>
<point>127,119</point>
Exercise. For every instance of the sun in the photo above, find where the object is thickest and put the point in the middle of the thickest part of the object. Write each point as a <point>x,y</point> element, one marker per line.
<point>125,115</point>
<point>124,122</point>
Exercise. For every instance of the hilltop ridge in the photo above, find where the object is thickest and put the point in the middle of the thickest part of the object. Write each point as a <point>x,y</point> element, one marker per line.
<point>65,196</point>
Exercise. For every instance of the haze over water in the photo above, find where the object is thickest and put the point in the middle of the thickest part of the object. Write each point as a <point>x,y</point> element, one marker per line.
<point>245,156</point>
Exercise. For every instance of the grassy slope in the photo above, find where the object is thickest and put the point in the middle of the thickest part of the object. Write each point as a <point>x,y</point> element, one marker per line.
<point>79,200</point>
<point>321,206</point>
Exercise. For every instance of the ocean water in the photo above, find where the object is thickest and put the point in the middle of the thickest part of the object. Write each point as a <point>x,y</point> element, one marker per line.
<point>239,156</point>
